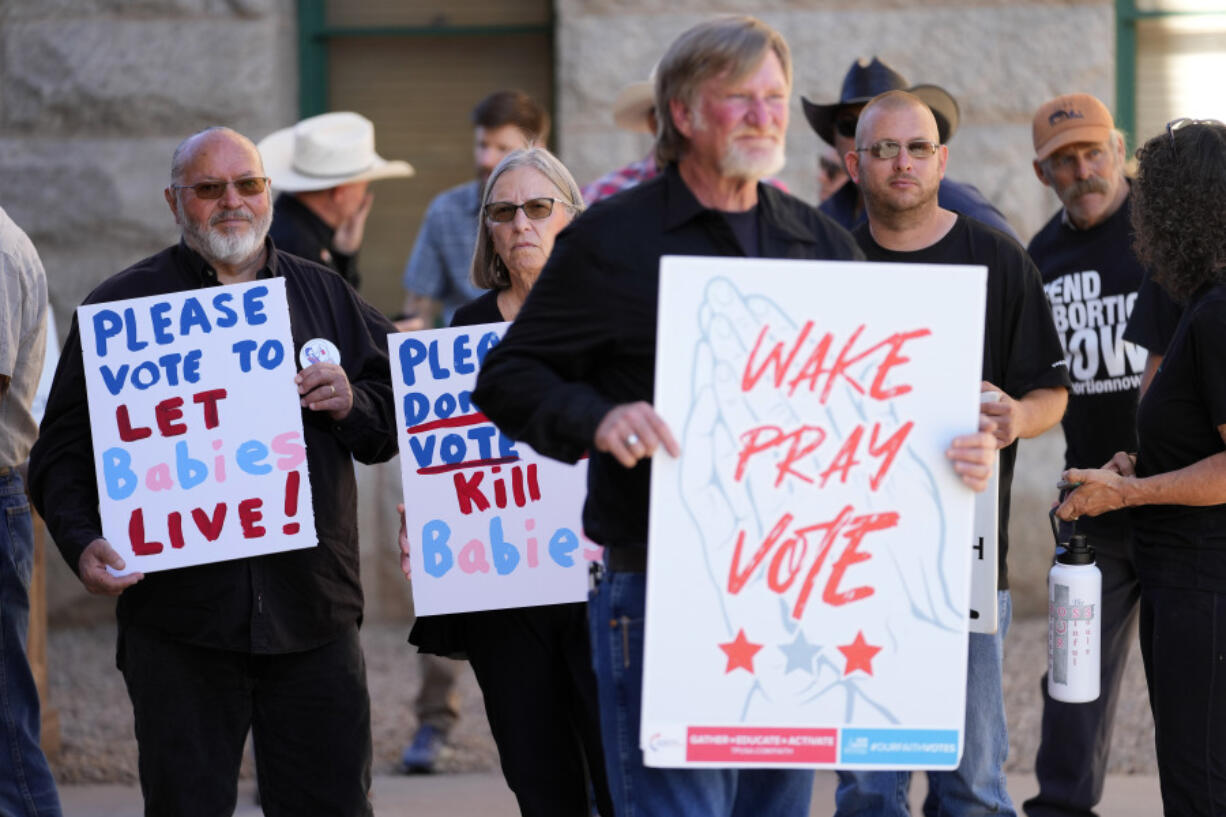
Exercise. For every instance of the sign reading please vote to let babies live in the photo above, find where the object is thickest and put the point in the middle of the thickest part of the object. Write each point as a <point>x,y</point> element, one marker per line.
<point>197,429</point>
<point>492,524</point>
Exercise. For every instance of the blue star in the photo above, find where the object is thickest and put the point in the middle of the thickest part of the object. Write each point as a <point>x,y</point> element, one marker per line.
<point>800,653</point>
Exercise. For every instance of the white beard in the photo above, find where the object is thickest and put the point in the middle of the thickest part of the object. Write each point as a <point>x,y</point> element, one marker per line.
<point>736,164</point>
<point>227,248</point>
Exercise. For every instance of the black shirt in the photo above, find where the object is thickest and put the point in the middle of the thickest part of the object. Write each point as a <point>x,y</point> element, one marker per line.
<point>1180,545</point>
<point>585,340</point>
<point>297,230</point>
<point>1021,351</point>
<point>278,603</point>
<point>1154,318</point>
<point>483,309</point>
<point>1091,278</point>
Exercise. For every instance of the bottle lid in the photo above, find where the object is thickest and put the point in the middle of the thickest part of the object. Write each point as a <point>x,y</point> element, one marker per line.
<point>1078,551</point>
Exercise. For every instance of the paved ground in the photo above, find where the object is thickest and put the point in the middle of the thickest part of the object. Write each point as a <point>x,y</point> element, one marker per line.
<point>96,768</point>
<point>485,795</point>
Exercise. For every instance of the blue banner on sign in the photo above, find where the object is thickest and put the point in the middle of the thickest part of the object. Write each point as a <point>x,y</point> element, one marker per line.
<point>900,747</point>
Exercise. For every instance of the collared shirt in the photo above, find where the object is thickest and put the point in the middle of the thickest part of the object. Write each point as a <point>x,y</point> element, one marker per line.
<point>297,230</point>
<point>278,603</point>
<point>442,258</point>
<point>23,334</point>
<point>957,196</point>
<point>621,179</point>
<point>585,339</point>
<point>634,173</point>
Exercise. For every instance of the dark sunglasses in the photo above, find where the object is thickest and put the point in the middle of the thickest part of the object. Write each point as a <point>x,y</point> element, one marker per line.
<point>1176,124</point>
<point>888,149</point>
<point>501,212</point>
<point>845,126</point>
<point>247,186</point>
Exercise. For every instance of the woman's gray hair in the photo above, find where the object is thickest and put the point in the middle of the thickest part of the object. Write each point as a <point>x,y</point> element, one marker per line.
<point>488,271</point>
<point>732,45</point>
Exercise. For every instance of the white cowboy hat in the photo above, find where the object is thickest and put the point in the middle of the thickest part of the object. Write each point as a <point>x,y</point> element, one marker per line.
<point>326,151</point>
<point>632,105</point>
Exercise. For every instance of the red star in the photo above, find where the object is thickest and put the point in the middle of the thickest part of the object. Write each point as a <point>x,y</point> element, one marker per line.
<point>740,652</point>
<point>859,654</point>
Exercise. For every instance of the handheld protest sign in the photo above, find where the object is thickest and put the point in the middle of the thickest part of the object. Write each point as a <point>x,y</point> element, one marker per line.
<point>808,575</point>
<point>492,524</point>
<point>985,544</point>
<point>197,430</point>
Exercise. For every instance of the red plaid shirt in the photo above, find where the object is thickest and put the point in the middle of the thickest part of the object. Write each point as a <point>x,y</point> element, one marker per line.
<point>630,175</point>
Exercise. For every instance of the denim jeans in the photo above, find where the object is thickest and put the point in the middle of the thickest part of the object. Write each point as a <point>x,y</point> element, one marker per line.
<point>977,786</point>
<point>615,614</point>
<point>26,786</point>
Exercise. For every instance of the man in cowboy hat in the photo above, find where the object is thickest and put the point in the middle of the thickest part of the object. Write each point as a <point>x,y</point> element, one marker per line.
<point>835,123</point>
<point>323,167</point>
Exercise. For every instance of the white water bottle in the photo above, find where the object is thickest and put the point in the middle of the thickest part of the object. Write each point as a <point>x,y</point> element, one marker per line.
<point>1074,596</point>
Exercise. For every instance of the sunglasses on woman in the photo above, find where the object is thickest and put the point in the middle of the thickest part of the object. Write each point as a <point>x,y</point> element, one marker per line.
<point>501,212</point>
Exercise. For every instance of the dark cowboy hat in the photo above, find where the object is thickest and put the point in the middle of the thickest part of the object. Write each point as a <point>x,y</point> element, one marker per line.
<point>863,82</point>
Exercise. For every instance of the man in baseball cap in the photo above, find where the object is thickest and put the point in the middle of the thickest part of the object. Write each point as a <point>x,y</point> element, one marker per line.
<point>835,123</point>
<point>323,167</point>
<point>1091,278</point>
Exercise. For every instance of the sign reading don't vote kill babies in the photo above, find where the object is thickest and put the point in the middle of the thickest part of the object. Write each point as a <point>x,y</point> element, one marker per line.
<point>492,524</point>
<point>197,429</point>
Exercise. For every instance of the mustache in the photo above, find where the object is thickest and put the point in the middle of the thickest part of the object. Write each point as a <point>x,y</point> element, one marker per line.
<point>907,177</point>
<point>1085,186</point>
<point>224,215</point>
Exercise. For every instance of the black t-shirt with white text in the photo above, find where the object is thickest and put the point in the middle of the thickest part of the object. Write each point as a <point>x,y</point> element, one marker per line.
<point>1177,425</point>
<point>1091,278</point>
<point>1021,351</point>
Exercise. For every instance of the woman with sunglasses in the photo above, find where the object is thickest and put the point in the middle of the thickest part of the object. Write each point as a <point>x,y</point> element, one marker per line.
<point>1175,483</point>
<point>533,663</point>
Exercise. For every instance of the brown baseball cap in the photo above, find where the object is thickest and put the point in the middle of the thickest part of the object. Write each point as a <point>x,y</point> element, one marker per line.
<point>1068,119</point>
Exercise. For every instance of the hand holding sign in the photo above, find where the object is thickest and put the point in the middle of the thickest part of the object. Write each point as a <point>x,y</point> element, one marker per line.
<point>633,431</point>
<point>92,568</point>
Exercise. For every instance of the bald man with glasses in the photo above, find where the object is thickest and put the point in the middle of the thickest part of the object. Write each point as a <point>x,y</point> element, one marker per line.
<point>268,644</point>
<point>897,162</point>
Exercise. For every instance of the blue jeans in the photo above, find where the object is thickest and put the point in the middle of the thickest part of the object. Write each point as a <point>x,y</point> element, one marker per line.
<point>26,786</point>
<point>615,615</point>
<point>977,786</point>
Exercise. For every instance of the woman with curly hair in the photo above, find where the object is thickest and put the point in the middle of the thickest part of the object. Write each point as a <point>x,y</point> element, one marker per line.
<point>1175,484</point>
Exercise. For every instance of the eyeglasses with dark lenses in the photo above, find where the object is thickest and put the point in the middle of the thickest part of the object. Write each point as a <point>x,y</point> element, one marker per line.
<point>246,186</point>
<point>888,149</point>
<point>845,126</point>
<point>1176,124</point>
<point>501,212</point>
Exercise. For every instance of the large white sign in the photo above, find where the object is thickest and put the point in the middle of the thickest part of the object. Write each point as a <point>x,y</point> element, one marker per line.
<point>492,524</point>
<point>808,568</point>
<point>197,427</point>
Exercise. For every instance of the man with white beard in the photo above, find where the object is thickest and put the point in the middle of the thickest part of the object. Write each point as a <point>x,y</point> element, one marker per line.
<point>268,644</point>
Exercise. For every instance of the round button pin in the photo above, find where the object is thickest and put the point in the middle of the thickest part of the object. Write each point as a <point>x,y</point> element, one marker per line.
<point>318,350</point>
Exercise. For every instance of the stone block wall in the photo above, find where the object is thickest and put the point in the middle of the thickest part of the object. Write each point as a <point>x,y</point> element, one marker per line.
<point>95,96</point>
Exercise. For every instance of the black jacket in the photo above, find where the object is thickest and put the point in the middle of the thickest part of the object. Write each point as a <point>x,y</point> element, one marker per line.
<point>585,340</point>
